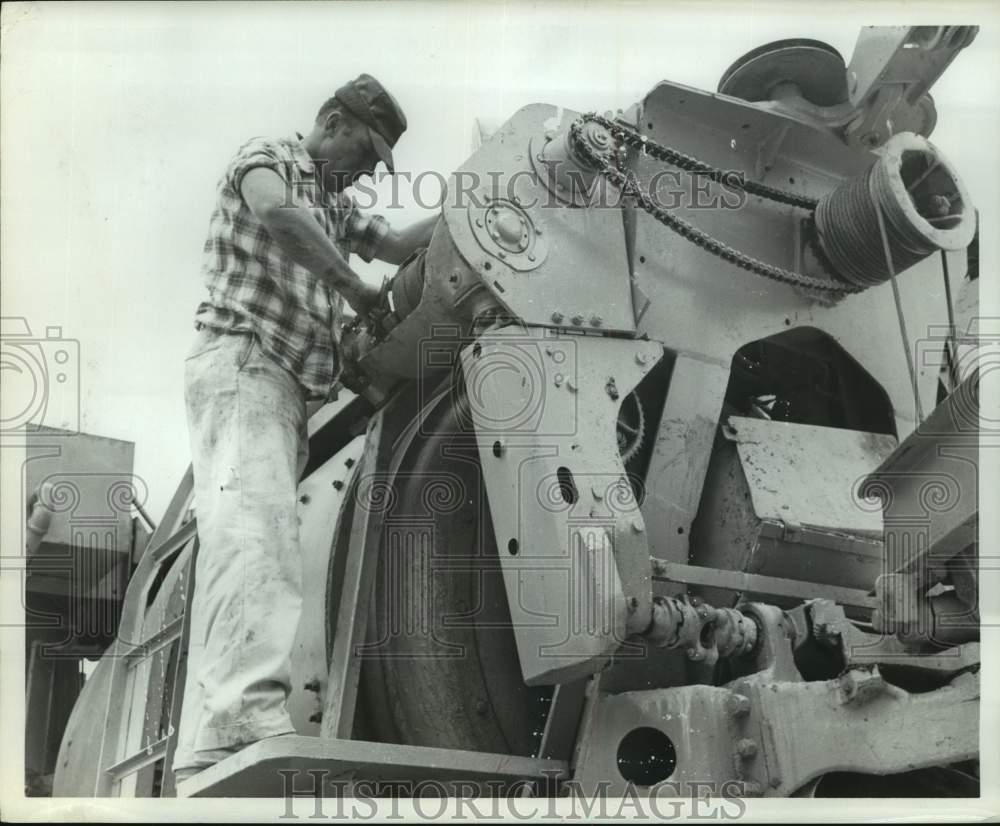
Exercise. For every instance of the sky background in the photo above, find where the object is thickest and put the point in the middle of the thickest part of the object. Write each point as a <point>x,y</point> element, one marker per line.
<point>118,119</point>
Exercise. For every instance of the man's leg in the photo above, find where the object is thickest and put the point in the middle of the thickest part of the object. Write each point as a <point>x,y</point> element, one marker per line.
<point>246,417</point>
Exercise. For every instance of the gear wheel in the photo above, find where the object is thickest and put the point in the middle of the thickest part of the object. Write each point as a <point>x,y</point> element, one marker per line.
<point>631,426</point>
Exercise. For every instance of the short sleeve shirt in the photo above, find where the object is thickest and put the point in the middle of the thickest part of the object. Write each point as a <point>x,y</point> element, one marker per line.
<point>254,286</point>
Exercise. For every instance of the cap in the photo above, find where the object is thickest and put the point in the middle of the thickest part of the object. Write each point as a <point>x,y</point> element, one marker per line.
<point>372,104</point>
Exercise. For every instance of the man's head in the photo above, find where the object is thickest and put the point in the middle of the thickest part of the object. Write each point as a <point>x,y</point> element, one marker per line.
<point>354,130</point>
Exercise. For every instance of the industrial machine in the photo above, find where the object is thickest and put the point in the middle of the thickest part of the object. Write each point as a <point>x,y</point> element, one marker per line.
<point>660,470</point>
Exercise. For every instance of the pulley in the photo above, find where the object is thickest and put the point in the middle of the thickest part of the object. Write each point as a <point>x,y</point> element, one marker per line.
<point>924,204</point>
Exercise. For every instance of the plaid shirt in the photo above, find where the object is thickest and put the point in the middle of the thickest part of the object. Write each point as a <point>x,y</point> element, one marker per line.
<point>253,286</point>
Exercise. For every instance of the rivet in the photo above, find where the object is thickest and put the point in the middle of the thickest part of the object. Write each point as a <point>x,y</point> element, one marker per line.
<point>558,379</point>
<point>531,256</point>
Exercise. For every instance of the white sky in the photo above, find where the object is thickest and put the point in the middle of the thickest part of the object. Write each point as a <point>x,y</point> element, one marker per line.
<point>117,121</point>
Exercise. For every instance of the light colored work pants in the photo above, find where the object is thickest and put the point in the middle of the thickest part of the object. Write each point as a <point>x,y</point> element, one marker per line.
<point>247,424</point>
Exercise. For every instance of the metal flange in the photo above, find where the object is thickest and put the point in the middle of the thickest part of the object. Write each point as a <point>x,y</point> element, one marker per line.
<point>506,231</point>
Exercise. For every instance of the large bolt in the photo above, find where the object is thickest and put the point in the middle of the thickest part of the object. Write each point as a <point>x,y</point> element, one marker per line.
<point>578,320</point>
<point>737,705</point>
<point>557,317</point>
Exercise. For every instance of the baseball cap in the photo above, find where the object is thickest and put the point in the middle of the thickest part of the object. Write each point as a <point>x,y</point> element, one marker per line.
<point>371,103</point>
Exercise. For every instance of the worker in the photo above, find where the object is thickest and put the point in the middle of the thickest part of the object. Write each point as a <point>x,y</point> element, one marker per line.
<point>276,265</point>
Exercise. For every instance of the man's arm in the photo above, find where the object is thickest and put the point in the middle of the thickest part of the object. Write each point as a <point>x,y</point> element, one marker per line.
<point>398,244</point>
<point>302,238</point>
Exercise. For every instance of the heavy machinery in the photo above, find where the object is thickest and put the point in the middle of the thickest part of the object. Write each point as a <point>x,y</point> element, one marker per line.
<point>654,489</point>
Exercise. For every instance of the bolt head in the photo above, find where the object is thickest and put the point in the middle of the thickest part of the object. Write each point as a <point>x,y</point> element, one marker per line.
<point>746,747</point>
<point>738,705</point>
<point>578,320</point>
<point>557,317</point>
<point>596,320</point>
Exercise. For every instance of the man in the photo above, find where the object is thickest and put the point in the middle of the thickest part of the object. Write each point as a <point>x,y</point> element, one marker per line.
<point>276,267</point>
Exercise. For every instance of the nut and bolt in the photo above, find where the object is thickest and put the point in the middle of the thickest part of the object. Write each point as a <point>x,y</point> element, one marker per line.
<point>596,320</point>
<point>578,320</point>
<point>746,748</point>
<point>557,317</point>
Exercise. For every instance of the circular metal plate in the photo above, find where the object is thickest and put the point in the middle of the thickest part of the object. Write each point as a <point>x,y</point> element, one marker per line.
<point>815,67</point>
<point>506,231</point>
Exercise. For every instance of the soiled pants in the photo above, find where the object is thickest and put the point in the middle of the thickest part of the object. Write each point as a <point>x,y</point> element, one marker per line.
<point>247,424</point>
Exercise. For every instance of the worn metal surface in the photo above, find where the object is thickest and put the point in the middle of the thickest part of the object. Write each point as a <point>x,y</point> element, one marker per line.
<point>355,589</point>
<point>254,771</point>
<point>584,274</point>
<point>571,536</point>
<point>891,70</point>
<point>681,451</point>
<point>703,306</point>
<point>808,476</point>
<point>321,495</point>
<point>781,500</point>
<point>762,734</point>
<point>741,582</point>
<point>831,627</point>
<point>929,487</point>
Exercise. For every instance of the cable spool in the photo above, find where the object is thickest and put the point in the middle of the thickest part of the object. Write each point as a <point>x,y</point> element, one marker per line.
<point>924,204</point>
